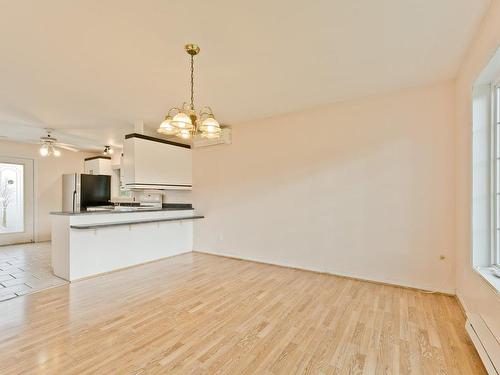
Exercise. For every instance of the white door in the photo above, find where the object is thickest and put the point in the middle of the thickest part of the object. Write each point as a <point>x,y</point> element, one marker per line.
<point>16,200</point>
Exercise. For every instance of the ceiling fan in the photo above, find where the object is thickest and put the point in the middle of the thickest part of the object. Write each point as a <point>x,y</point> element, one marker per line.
<point>50,146</point>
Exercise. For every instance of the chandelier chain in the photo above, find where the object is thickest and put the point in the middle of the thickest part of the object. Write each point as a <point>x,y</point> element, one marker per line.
<point>192,82</point>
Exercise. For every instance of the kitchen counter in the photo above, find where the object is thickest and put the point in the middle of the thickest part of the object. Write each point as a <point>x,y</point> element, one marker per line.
<point>134,222</point>
<point>90,243</point>
<point>128,209</point>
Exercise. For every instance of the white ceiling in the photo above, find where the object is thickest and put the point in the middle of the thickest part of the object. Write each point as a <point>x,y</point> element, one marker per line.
<point>92,68</point>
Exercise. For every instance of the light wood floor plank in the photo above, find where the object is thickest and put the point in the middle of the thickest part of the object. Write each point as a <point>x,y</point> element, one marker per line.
<point>203,314</point>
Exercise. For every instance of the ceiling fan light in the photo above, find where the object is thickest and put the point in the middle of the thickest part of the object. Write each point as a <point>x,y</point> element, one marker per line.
<point>107,150</point>
<point>57,153</point>
<point>182,121</point>
<point>44,150</point>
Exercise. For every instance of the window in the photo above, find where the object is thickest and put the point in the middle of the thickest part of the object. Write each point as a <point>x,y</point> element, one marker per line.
<point>495,95</point>
<point>11,198</point>
<point>486,173</point>
<point>16,200</point>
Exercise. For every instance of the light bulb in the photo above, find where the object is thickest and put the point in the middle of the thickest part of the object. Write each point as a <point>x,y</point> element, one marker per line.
<point>44,150</point>
<point>184,134</point>
<point>57,153</point>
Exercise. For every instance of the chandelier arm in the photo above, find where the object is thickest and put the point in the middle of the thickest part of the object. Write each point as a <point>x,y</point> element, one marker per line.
<point>169,113</point>
<point>204,115</point>
<point>206,111</point>
<point>185,106</point>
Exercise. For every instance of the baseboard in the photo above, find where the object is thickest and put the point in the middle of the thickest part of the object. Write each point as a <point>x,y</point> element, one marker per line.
<point>461,304</point>
<point>371,279</point>
<point>485,343</point>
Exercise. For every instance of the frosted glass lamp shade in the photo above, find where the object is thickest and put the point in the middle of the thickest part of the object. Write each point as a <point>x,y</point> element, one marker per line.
<point>167,128</point>
<point>44,150</point>
<point>210,125</point>
<point>182,121</point>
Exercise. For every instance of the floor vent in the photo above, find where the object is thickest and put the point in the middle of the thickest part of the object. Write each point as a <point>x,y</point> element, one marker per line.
<point>485,342</point>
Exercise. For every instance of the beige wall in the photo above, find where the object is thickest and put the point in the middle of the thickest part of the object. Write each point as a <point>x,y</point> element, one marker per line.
<point>48,181</point>
<point>363,188</point>
<point>474,292</point>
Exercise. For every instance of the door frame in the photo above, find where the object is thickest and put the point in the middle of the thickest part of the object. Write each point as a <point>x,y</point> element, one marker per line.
<point>28,235</point>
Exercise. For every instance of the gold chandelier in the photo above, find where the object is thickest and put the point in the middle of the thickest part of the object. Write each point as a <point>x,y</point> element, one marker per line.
<point>184,122</point>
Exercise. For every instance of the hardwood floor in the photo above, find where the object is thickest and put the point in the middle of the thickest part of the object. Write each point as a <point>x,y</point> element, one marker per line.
<point>203,314</point>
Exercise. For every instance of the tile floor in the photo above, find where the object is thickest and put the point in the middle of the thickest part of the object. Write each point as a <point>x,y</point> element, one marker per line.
<point>26,269</point>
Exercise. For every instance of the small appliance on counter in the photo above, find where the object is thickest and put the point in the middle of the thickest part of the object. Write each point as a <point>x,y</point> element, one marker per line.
<point>81,191</point>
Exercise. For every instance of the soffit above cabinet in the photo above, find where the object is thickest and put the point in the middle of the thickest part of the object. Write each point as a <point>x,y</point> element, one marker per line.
<point>152,163</point>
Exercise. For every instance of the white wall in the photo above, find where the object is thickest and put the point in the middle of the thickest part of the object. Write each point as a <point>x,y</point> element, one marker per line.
<point>363,188</point>
<point>48,181</point>
<point>474,292</point>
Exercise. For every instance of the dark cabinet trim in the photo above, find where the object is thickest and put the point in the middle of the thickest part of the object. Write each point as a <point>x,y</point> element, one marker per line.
<point>153,139</point>
<point>98,157</point>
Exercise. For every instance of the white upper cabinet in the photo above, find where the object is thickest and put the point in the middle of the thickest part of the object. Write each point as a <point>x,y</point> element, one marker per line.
<point>98,165</point>
<point>152,163</point>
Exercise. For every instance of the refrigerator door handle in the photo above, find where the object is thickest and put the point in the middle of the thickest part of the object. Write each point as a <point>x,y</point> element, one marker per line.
<point>74,199</point>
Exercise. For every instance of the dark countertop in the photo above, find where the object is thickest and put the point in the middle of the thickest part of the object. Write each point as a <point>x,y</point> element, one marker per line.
<point>166,207</point>
<point>134,222</point>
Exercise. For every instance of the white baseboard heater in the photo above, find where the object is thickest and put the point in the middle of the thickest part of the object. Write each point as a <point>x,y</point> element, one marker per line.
<point>485,342</point>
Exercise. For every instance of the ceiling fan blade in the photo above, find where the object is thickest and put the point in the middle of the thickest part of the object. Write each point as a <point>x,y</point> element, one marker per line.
<point>66,147</point>
<point>33,141</point>
<point>67,144</point>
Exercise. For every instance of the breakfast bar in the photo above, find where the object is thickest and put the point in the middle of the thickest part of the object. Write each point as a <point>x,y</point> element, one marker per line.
<point>88,243</point>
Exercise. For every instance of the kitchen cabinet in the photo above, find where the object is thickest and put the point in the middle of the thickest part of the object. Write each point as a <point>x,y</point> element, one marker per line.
<point>153,163</point>
<point>98,165</point>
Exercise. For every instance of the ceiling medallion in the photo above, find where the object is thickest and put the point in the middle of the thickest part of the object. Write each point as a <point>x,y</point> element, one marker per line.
<point>185,122</point>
